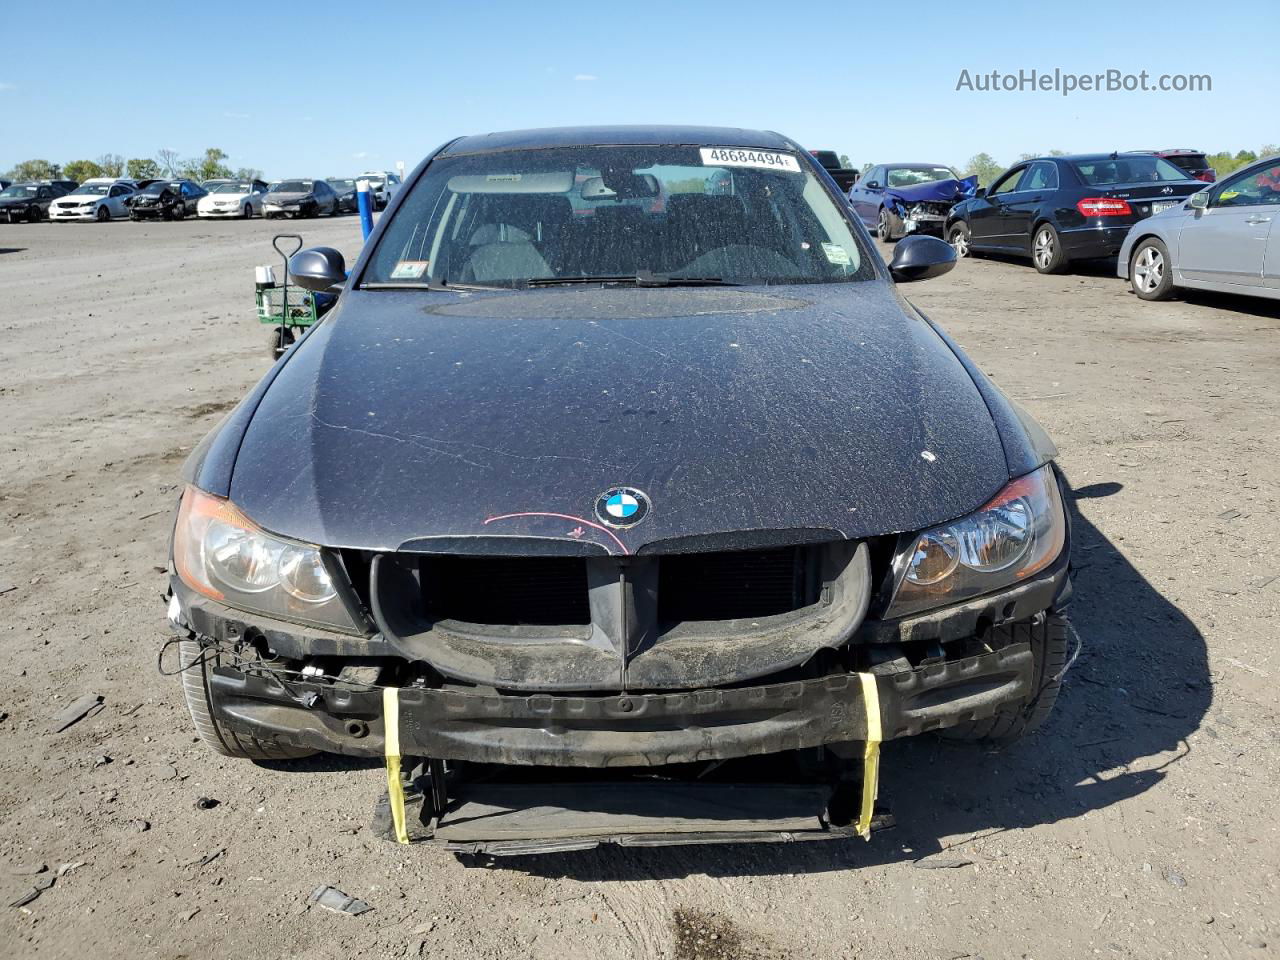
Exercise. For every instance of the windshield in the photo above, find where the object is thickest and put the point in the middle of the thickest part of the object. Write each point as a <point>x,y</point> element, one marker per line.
<point>342,184</point>
<point>231,188</point>
<point>1097,173</point>
<point>94,189</point>
<point>157,188</point>
<point>619,213</point>
<point>291,186</point>
<point>19,190</point>
<point>912,176</point>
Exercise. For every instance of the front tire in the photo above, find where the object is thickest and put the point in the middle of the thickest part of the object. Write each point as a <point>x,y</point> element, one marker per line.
<point>884,228</point>
<point>102,215</point>
<point>195,689</point>
<point>1046,250</point>
<point>1150,273</point>
<point>960,239</point>
<point>248,211</point>
<point>179,212</point>
<point>1049,640</point>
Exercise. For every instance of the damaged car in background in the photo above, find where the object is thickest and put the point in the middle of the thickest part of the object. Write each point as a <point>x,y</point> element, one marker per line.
<point>899,199</point>
<point>642,528</point>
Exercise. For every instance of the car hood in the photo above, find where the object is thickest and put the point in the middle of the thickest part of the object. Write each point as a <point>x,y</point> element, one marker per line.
<point>939,191</point>
<point>287,197</point>
<point>432,419</point>
<point>211,197</point>
<point>17,201</point>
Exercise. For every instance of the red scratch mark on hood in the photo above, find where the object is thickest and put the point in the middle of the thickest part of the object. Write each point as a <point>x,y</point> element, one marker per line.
<point>563,516</point>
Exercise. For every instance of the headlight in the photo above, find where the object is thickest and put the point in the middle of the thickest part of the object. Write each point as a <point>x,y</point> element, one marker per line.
<point>221,553</point>
<point>1019,533</point>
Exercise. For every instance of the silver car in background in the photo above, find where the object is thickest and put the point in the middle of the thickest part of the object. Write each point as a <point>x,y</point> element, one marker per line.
<point>1223,238</point>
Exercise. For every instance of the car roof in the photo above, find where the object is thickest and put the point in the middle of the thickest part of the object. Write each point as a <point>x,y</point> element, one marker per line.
<point>1081,157</point>
<point>618,135</point>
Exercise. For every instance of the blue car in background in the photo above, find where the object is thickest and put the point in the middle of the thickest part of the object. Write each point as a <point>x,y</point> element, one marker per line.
<point>897,199</point>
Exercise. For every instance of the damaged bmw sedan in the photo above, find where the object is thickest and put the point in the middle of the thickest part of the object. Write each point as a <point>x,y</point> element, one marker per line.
<point>622,497</point>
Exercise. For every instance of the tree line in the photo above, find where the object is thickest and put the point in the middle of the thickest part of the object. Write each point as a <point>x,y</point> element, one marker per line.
<point>1224,163</point>
<point>211,165</point>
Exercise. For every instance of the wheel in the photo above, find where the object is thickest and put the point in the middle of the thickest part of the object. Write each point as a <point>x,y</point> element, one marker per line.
<point>1049,643</point>
<point>179,211</point>
<point>102,214</point>
<point>280,341</point>
<point>34,214</point>
<point>1046,250</point>
<point>1150,274</point>
<point>958,236</point>
<point>884,229</point>
<point>195,689</point>
<point>248,211</point>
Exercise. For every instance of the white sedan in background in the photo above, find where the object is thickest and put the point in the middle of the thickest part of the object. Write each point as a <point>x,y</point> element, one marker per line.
<point>100,199</point>
<point>232,198</point>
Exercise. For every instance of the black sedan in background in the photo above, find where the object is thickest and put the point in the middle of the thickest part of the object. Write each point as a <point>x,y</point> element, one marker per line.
<point>1058,209</point>
<point>166,200</point>
<point>28,201</point>
<point>345,191</point>
<point>299,198</point>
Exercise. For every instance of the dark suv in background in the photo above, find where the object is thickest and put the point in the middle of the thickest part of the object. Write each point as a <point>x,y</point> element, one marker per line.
<point>1193,162</point>
<point>30,201</point>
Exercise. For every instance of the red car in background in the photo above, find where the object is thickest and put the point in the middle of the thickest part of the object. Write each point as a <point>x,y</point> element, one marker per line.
<point>1194,162</point>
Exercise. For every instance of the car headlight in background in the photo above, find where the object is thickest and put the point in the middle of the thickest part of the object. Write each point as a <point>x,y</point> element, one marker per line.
<point>221,553</point>
<point>1019,533</point>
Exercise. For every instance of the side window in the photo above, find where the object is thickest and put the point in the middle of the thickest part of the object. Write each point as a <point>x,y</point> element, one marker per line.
<point>1260,187</point>
<point>44,193</point>
<point>1042,175</point>
<point>116,192</point>
<point>1009,182</point>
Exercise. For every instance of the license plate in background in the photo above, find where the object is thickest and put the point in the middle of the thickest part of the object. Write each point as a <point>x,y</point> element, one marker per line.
<point>1163,205</point>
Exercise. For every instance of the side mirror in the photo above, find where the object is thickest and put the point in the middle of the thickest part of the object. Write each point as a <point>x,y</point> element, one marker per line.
<point>920,257</point>
<point>980,192</point>
<point>319,269</point>
<point>873,184</point>
<point>1200,201</point>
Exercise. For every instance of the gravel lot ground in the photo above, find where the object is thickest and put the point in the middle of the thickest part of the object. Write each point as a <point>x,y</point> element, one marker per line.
<point>1141,823</point>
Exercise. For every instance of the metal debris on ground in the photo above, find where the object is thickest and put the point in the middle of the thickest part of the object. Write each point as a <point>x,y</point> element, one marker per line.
<point>76,711</point>
<point>40,885</point>
<point>331,898</point>
<point>70,867</point>
<point>206,803</point>
<point>207,859</point>
<point>941,863</point>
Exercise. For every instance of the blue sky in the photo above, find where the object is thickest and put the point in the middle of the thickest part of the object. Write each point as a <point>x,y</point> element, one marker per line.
<point>296,92</point>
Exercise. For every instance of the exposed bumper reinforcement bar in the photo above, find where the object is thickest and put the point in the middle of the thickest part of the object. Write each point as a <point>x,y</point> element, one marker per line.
<point>621,730</point>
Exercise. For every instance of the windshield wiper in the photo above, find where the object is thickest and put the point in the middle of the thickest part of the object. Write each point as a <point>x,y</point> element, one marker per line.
<point>642,279</point>
<point>438,286</point>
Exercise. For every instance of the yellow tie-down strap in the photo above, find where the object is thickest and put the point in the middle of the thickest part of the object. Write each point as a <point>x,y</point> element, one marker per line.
<point>870,753</point>
<point>395,788</point>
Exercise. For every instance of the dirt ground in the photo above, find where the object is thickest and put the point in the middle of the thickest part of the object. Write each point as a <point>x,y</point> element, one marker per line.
<point>1141,823</point>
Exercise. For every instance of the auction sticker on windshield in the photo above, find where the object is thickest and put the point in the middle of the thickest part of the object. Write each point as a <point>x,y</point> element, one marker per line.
<point>760,159</point>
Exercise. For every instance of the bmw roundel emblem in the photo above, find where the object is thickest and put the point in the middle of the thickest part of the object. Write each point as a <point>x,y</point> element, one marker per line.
<point>622,506</point>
